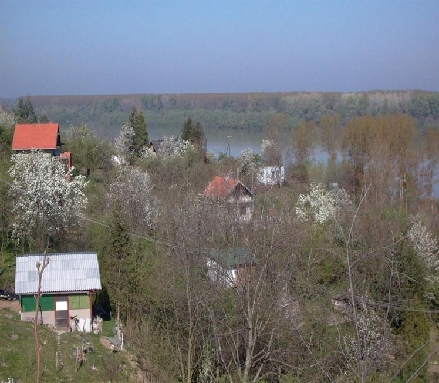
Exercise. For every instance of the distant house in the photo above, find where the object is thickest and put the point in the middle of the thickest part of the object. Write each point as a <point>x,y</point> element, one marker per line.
<point>271,175</point>
<point>42,137</point>
<point>235,193</point>
<point>229,267</point>
<point>68,283</point>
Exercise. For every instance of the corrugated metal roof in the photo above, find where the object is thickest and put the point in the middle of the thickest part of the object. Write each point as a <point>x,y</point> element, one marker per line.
<point>65,272</point>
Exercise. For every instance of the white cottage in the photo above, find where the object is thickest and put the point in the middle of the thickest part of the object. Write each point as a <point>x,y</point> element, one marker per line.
<point>67,285</point>
<point>271,175</point>
<point>231,266</point>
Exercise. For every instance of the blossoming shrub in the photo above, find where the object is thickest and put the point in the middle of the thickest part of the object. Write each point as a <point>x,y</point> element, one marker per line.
<point>425,243</point>
<point>124,143</point>
<point>47,201</point>
<point>131,191</point>
<point>321,204</point>
<point>174,147</point>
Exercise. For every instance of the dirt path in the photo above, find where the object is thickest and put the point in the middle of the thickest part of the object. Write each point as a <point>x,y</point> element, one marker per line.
<point>11,305</point>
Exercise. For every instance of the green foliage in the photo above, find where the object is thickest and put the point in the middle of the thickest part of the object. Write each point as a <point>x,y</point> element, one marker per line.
<point>5,207</point>
<point>413,350</point>
<point>193,132</point>
<point>432,299</point>
<point>174,316</point>
<point>24,112</point>
<point>152,102</point>
<point>89,153</point>
<point>6,134</point>
<point>330,271</point>
<point>43,119</point>
<point>412,283</point>
<point>5,197</point>
<point>7,267</point>
<point>425,106</point>
<point>110,105</point>
<point>116,256</point>
<point>186,133</point>
<point>299,172</point>
<point>18,361</point>
<point>249,112</point>
<point>137,122</point>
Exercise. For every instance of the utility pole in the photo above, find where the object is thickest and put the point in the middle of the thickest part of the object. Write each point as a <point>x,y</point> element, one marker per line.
<point>228,145</point>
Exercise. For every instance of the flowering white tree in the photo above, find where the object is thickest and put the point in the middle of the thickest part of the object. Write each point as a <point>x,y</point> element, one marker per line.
<point>124,143</point>
<point>321,204</point>
<point>7,119</point>
<point>132,192</point>
<point>371,346</point>
<point>47,201</point>
<point>425,243</point>
<point>174,147</point>
<point>247,161</point>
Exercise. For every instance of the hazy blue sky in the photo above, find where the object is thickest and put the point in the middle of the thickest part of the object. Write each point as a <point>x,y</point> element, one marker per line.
<point>113,47</point>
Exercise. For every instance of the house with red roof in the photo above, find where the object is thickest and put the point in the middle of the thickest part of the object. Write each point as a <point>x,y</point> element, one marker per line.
<point>235,193</point>
<point>42,137</point>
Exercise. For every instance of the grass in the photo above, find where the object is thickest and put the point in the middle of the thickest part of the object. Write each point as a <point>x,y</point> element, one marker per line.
<point>18,360</point>
<point>7,269</point>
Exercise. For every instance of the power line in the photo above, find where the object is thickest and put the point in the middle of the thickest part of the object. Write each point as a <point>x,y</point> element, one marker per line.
<point>100,223</point>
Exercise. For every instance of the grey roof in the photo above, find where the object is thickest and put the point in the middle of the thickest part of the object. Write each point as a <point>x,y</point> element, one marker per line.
<point>233,257</point>
<point>65,272</point>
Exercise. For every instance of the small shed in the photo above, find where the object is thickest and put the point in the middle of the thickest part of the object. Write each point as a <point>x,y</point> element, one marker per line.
<point>67,287</point>
<point>230,267</point>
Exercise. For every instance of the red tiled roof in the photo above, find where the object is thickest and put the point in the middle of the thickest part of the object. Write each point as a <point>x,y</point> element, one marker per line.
<point>35,136</point>
<point>220,187</point>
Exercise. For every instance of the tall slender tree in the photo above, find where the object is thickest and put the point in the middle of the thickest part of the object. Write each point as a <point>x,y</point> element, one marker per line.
<point>193,132</point>
<point>138,123</point>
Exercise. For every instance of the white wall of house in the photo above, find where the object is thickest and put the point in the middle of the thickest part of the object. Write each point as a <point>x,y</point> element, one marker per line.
<point>221,275</point>
<point>48,318</point>
<point>271,175</point>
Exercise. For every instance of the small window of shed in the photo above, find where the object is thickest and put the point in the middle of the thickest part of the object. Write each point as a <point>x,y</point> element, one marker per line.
<point>79,301</point>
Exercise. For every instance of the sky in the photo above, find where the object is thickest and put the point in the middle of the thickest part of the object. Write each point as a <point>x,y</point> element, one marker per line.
<point>80,47</point>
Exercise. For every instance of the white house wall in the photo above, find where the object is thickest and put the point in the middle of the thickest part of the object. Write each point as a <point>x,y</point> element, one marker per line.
<point>48,318</point>
<point>271,175</point>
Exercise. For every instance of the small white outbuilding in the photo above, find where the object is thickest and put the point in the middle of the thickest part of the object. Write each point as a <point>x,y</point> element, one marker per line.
<point>271,175</point>
<point>67,285</point>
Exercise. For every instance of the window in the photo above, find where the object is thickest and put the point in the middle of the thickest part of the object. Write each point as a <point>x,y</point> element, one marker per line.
<point>79,301</point>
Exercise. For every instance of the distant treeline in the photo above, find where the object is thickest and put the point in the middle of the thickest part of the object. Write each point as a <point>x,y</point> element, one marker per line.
<point>244,111</point>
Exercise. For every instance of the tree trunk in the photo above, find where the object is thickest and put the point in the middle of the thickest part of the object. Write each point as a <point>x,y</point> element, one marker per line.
<point>40,270</point>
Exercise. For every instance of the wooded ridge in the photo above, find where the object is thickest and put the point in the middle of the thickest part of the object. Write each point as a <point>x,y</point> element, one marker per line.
<point>245,111</point>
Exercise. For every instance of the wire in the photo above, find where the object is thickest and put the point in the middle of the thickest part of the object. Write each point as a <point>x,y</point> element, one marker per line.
<point>100,223</point>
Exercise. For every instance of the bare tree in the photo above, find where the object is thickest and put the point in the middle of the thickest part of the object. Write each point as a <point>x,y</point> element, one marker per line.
<point>40,269</point>
<point>303,141</point>
<point>431,146</point>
